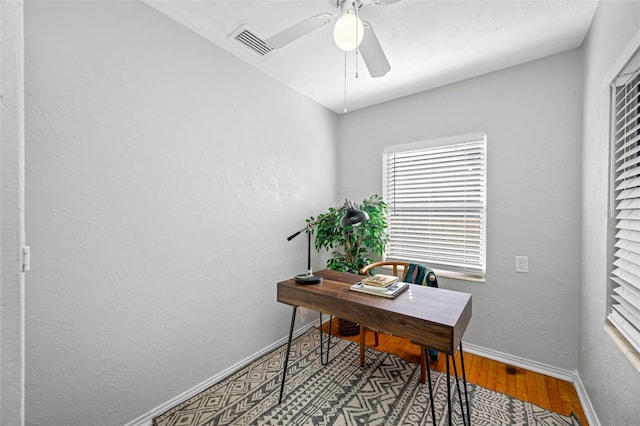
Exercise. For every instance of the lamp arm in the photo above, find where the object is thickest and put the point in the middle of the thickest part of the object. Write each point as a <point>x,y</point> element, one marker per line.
<point>314,223</point>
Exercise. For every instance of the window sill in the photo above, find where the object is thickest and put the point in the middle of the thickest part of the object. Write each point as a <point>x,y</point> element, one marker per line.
<point>629,351</point>
<point>459,276</point>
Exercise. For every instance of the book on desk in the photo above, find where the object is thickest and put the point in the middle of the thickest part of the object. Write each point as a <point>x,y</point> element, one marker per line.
<point>380,280</point>
<point>390,291</point>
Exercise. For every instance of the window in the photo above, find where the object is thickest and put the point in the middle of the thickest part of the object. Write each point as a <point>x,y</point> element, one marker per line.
<point>435,192</point>
<point>624,313</point>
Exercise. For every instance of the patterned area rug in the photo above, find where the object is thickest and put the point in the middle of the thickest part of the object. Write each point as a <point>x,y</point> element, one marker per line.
<point>386,392</point>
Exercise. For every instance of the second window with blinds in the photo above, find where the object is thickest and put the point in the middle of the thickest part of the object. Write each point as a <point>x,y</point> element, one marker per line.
<point>436,196</point>
<point>624,312</point>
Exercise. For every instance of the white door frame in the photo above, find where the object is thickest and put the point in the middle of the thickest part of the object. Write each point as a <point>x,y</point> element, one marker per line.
<point>12,232</point>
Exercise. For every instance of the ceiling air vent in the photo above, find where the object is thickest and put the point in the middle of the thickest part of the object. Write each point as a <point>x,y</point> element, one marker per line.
<point>250,39</point>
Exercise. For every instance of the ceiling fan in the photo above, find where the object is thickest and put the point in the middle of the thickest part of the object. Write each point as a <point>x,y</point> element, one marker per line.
<point>367,43</point>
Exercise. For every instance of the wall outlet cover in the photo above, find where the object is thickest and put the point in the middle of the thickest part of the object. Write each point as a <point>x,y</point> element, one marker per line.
<point>522,264</point>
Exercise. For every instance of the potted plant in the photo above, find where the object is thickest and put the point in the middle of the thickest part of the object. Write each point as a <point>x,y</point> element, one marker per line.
<point>352,247</point>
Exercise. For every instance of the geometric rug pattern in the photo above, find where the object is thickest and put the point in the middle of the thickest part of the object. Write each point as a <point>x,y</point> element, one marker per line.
<point>386,392</point>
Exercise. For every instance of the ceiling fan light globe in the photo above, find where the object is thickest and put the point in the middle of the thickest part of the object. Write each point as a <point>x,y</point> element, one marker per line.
<point>348,32</point>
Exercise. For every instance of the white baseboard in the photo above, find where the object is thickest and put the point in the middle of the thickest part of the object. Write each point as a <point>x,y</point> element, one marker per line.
<point>147,418</point>
<point>541,368</point>
<point>587,407</point>
<point>537,367</point>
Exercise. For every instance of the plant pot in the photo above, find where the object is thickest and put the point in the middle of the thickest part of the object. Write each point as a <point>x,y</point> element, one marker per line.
<point>348,328</point>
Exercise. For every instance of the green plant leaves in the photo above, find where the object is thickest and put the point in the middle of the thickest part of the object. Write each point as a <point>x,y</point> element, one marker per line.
<point>352,247</point>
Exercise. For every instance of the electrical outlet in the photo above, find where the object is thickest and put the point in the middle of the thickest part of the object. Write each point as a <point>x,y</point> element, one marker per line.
<point>522,264</point>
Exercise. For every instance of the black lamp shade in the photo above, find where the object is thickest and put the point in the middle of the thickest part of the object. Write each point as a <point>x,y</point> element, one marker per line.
<point>353,217</point>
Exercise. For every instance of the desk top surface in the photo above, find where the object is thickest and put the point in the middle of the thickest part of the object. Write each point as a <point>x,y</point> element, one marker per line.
<point>426,303</point>
<point>421,306</point>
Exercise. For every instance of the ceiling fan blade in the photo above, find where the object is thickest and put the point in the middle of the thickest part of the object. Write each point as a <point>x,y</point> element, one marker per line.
<point>298,30</point>
<point>372,53</point>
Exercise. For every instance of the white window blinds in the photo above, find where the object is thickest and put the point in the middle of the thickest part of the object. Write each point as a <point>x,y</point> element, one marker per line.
<point>625,297</point>
<point>436,205</point>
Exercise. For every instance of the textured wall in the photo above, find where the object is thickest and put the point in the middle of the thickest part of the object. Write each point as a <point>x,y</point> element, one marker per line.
<point>163,176</point>
<point>11,214</point>
<point>612,383</point>
<point>531,116</point>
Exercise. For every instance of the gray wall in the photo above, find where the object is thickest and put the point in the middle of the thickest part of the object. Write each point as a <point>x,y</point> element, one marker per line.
<point>612,383</point>
<point>531,114</point>
<point>163,176</point>
<point>11,214</point>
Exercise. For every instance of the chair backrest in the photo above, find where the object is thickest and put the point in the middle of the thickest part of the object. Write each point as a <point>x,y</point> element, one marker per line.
<point>419,274</point>
<point>366,270</point>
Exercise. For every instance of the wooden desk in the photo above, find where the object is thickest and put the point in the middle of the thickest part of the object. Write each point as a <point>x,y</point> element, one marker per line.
<point>431,317</point>
<point>428,316</point>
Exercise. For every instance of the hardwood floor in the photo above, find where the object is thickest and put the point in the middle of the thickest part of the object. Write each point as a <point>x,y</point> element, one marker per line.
<point>544,391</point>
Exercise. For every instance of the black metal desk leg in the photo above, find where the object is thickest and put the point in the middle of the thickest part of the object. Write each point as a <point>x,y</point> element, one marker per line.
<point>455,373</point>
<point>286,358</point>
<point>323,360</point>
<point>464,381</point>
<point>433,408</point>
<point>448,391</point>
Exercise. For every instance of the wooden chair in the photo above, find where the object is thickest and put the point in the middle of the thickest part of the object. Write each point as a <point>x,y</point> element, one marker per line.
<point>400,269</point>
<point>366,270</point>
<point>395,266</point>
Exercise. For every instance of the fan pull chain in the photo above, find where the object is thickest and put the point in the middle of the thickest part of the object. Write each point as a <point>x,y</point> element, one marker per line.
<point>355,10</point>
<point>345,81</point>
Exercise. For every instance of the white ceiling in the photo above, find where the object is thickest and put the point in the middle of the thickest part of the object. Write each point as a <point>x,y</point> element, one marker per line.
<point>429,43</point>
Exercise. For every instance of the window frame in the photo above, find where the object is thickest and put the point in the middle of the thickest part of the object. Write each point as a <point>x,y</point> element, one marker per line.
<point>469,273</point>
<point>626,71</point>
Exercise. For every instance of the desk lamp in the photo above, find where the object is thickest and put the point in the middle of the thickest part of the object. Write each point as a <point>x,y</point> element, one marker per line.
<point>352,217</point>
